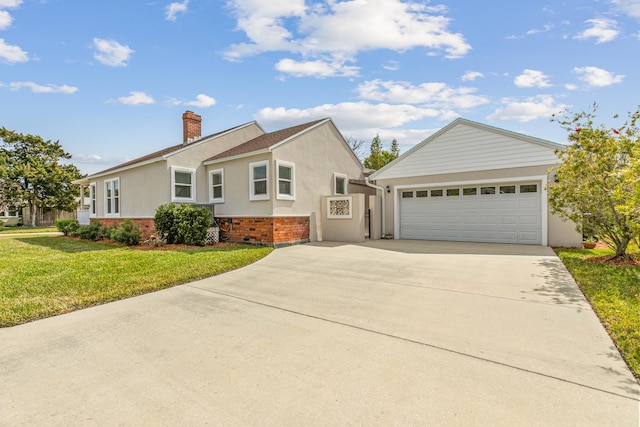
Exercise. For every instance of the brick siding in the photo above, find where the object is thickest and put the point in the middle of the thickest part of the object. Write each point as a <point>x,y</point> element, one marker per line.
<point>272,231</point>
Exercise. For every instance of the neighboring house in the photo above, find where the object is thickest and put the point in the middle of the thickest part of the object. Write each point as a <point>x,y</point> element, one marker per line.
<point>263,187</point>
<point>477,183</point>
<point>10,215</point>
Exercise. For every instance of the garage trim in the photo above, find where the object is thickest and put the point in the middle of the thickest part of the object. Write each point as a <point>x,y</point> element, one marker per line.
<point>543,198</point>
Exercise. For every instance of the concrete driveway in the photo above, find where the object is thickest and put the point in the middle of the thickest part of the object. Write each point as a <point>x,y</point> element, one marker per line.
<point>383,333</point>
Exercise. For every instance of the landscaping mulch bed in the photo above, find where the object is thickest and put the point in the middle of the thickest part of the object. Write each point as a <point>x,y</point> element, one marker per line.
<point>166,247</point>
<point>606,259</point>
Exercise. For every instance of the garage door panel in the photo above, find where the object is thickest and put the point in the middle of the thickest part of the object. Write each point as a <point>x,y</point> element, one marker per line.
<point>501,218</point>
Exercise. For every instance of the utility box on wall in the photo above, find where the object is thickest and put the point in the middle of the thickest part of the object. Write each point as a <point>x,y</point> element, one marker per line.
<point>343,218</point>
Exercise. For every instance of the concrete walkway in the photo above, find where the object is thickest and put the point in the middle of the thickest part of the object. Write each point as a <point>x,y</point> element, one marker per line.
<point>384,333</point>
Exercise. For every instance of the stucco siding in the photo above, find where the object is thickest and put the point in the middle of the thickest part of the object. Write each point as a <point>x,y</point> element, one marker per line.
<point>465,148</point>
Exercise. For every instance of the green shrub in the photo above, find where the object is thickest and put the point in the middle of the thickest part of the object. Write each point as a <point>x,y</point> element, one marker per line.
<point>94,231</point>
<point>182,224</point>
<point>68,226</point>
<point>128,233</point>
<point>165,222</point>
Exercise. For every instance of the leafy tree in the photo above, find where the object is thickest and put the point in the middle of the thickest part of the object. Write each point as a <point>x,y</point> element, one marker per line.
<point>379,157</point>
<point>597,180</point>
<point>31,175</point>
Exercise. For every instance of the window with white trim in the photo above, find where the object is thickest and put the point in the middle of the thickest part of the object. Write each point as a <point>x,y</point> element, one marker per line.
<point>216,186</point>
<point>92,199</point>
<point>340,183</point>
<point>259,180</point>
<point>183,185</point>
<point>112,197</point>
<point>286,189</point>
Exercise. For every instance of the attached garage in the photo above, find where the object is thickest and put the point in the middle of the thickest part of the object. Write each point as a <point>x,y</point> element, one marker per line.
<point>489,212</point>
<point>471,182</point>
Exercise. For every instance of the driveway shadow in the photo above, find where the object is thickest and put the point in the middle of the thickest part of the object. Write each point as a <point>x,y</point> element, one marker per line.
<point>559,287</point>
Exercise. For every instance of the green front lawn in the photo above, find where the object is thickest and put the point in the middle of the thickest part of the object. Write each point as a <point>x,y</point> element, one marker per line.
<point>614,292</point>
<point>42,276</point>
<point>26,230</point>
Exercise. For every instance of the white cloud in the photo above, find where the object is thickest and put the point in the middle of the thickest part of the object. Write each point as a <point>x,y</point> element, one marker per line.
<point>541,106</point>
<point>352,115</point>
<point>5,20</point>
<point>435,94</point>
<point>628,7</point>
<point>317,68</point>
<point>136,98</point>
<point>602,29</point>
<point>36,88</point>
<point>342,29</point>
<point>202,101</point>
<point>174,8</point>
<point>391,66</point>
<point>10,4</point>
<point>470,76</point>
<point>570,86</point>
<point>11,54</point>
<point>532,78</point>
<point>111,53</point>
<point>598,77</point>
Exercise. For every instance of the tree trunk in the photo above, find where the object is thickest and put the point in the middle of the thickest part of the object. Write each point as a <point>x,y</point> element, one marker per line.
<point>621,250</point>
<point>32,213</point>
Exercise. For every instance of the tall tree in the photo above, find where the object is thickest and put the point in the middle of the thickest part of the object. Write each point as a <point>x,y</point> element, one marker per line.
<point>31,174</point>
<point>597,180</point>
<point>378,157</point>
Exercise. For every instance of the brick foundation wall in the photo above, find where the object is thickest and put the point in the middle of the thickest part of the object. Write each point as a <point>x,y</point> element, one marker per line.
<point>272,231</point>
<point>147,225</point>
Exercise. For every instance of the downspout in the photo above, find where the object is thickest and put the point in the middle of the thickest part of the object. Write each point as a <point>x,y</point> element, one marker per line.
<point>384,205</point>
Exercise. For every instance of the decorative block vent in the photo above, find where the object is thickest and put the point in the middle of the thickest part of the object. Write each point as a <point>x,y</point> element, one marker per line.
<point>339,207</point>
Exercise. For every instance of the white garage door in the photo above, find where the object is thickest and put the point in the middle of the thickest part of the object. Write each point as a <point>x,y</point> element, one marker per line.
<point>500,213</point>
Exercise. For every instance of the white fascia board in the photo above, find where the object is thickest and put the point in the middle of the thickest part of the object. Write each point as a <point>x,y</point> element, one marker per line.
<point>125,168</point>
<point>237,156</point>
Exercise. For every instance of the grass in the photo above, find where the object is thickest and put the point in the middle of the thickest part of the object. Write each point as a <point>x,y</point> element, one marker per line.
<point>25,230</point>
<point>42,276</point>
<point>614,292</point>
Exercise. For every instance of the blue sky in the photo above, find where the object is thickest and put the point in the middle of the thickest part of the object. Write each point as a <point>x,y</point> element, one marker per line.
<point>111,79</point>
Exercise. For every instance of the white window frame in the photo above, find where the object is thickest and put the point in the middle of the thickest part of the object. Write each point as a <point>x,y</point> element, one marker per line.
<point>337,176</point>
<point>213,199</point>
<point>292,166</point>
<point>93,198</point>
<point>113,213</point>
<point>175,169</point>
<point>252,195</point>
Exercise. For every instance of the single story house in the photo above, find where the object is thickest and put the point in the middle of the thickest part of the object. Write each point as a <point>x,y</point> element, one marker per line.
<point>264,188</point>
<point>477,183</point>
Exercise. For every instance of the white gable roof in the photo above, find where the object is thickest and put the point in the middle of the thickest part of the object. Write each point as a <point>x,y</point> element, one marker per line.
<point>466,146</point>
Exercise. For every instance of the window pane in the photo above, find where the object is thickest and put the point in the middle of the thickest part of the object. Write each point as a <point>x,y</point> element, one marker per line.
<point>260,187</point>
<point>260,172</point>
<point>469,191</point>
<point>216,178</point>
<point>284,172</point>
<point>107,186</point>
<point>217,192</point>
<point>340,186</point>
<point>116,205</point>
<point>436,193</point>
<point>421,193</point>
<point>487,190</point>
<point>453,192</point>
<point>529,188</point>
<point>183,191</point>
<point>507,189</point>
<point>407,194</point>
<point>284,187</point>
<point>183,177</point>
<point>108,206</point>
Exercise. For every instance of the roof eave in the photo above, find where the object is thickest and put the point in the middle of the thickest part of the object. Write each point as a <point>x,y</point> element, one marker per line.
<point>125,168</point>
